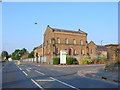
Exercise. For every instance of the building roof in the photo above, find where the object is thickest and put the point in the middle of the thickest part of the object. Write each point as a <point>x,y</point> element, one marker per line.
<point>112,45</point>
<point>63,30</point>
<point>101,48</point>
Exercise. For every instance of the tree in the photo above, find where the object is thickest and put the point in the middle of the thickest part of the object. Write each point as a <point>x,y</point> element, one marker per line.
<point>4,54</point>
<point>17,54</point>
<point>31,55</point>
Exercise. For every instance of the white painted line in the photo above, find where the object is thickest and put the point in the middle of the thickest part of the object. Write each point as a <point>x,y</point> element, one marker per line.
<point>44,80</point>
<point>39,72</point>
<point>28,70</point>
<point>64,83</point>
<point>20,68</point>
<point>51,69</point>
<point>25,73</point>
<point>36,84</point>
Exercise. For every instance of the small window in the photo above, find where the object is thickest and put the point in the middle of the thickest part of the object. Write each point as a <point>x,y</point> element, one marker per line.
<point>81,42</point>
<point>58,40</point>
<point>74,41</point>
<point>66,41</point>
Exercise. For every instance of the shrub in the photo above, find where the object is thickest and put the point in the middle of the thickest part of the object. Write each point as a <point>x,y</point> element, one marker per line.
<point>106,66</point>
<point>56,60</point>
<point>96,60</point>
<point>71,60</point>
<point>87,61</point>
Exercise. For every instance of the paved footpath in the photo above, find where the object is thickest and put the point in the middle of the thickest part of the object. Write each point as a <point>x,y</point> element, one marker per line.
<point>43,76</point>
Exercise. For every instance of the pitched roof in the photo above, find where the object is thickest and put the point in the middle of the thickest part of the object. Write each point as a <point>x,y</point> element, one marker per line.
<point>101,48</point>
<point>63,30</point>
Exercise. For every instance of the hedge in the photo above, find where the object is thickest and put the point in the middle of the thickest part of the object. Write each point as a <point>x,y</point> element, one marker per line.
<point>71,60</point>
<point>56,60</point>
<point>87,61</point>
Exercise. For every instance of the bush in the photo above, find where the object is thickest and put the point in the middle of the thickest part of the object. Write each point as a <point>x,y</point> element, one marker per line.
<point>96,60</point>
<point>87,61</point>
<point>56,60</point>
<point>71,60</point>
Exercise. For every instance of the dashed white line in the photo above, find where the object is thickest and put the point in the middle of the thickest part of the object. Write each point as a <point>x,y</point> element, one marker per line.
<point>37,84</point>
<point>25,73</point>
<point>44,80</point>
<point>20,68</point>
<point>39,72</point>
<point>64,83</point>
<point>28,70</point>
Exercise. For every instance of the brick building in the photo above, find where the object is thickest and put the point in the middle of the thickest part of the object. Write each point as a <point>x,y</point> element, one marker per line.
<point>74,42</point>
<point>113,52</point>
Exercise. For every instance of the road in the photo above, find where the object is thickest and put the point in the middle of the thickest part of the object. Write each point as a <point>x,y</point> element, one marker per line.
<point>43,76</point>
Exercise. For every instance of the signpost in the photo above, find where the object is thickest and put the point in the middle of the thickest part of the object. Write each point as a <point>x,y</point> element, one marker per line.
<point>63,57</point>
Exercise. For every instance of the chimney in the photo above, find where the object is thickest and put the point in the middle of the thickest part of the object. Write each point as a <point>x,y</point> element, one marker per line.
<point>79,30</point>
<point>48,26</point>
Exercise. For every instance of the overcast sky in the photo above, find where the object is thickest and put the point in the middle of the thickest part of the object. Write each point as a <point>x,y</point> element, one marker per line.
<point>98,19</point>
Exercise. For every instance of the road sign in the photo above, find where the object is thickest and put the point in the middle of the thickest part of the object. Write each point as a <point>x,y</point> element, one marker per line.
<point>63,57</point>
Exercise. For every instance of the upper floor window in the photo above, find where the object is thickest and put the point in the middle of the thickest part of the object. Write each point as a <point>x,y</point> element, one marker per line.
<point>74,41</point>
<point>81,42</point>
<point>58,40</point>
<point>66,41</point>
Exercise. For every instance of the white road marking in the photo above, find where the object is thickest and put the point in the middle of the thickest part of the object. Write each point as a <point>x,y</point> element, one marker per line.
<point>36,84</point>
<point>25,73</point>
<point>20,68</point>
<point>44,80</point>
<point>51,69</point>
<point>39,72</point>
<point>64,83</point>
<point>28,70</point>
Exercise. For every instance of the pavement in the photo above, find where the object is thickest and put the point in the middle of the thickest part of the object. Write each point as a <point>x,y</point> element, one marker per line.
<point>48,76</point>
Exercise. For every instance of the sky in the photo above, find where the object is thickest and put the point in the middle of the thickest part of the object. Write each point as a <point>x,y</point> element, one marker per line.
<point>98,19</point>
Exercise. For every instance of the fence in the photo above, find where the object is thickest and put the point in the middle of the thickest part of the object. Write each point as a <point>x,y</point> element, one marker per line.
<point>40,59</point>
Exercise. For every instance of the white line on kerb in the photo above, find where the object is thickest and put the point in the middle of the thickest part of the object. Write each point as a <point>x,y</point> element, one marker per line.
<point>36,84</point>
<point>25,73</point>
<point>39,72</point>
<point>64,83</point>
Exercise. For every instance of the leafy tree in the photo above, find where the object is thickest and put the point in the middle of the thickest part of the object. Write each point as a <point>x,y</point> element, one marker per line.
<point>16,55</point>
<point>4,54</point>
<point>31,55</point>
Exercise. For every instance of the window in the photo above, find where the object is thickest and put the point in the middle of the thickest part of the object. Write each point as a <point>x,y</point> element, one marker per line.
<point>81,42</point>
<point>74,41</point>
<point>82,52</point>
<point>91,51</point>
<point>57,50</point>
<point>58,40</point>
<point>66,41</point>
<point>74,52</point>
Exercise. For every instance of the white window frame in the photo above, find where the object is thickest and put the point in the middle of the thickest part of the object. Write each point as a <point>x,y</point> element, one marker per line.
<point>58,40</point>
<point>81,42</point>
<point>74,41</point>
<point>66,41</point>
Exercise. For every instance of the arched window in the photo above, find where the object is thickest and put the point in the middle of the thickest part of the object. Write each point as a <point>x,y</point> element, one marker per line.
<point>66,41</point>
<point>81,42</point>
<point>74,41</point>
<point>58,40</point>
